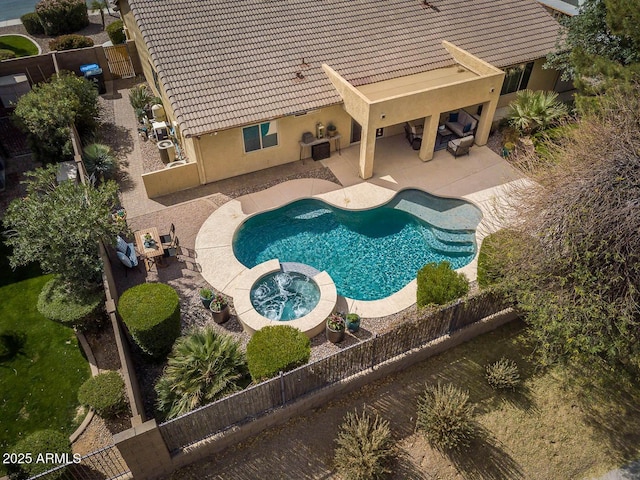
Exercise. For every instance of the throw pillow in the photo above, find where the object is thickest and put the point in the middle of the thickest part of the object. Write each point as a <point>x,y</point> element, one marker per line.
<point>124,259</point>
<point>127,252</point>
<point>121,244</point>
<point>453,117</point>
<point>466,128</point>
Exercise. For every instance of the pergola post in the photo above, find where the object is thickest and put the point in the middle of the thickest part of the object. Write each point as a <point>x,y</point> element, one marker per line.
<point>429,131</point>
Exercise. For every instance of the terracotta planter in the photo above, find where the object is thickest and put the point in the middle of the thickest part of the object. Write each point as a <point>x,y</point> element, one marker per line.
<point>334,336</point>
<point>221,316</point>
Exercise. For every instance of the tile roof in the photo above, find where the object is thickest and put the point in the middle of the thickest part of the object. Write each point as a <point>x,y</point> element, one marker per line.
<point>228,63</point>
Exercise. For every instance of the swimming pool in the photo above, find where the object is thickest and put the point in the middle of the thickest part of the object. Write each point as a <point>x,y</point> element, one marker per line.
<point>369,254</point>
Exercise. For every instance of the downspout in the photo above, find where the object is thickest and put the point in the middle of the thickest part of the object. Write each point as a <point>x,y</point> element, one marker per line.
<point>201,171</point>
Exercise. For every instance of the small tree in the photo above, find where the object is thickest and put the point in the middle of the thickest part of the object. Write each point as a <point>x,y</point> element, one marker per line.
<point>62,16</point>
<point>364,447</point>
<point>203,366</point>
<point>48,110</point>
<point>99,5</point>
<point>59,226</point>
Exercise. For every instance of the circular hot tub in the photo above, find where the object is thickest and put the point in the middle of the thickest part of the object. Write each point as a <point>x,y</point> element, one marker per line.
<point>284,295</point>
<point>272,293</point>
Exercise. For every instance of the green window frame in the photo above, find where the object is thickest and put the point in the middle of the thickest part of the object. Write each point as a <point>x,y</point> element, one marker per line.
<point>516,78</point>
<point>259,136</point>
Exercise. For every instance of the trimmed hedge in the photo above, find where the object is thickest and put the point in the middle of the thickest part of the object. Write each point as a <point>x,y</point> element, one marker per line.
<point>70,42</point>
<point>58,303</point>
<point>439,284</point>
<point>32,23</point>
<point>276,348</point>
<point>59,17</point>
<point>151,312</point>
<point>116,32</point>
<point>104,393</point>
<point>43,441</point>
<point>6,54</point>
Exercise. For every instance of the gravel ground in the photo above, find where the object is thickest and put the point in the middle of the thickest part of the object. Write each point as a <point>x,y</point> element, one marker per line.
<point>93,30</point>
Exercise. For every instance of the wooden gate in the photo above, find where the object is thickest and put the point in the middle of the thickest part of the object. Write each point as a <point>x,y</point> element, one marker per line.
<point>120,64</point>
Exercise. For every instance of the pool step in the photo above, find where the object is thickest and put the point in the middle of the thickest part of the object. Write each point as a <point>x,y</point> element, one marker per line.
<point>449,249</point>
<point>453,237</point>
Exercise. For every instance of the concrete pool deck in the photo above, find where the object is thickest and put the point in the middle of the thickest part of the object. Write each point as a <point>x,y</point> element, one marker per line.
<point>214,243</point>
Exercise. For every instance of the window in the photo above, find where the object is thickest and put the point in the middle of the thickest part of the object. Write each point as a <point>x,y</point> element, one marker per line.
<point>156,82</point>
<point>516,78</point>
<point>260,136</point>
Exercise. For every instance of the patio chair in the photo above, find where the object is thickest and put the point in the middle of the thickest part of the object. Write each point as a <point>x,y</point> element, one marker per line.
<point>168,238</point>
<point>126,253</point>
<point>460,146</point>
<point>172,250</point>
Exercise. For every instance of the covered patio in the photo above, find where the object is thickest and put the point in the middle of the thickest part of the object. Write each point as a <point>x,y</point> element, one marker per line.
<point>468,81</point>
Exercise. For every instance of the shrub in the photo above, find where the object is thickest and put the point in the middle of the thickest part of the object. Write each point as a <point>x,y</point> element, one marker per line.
<point>276,348</point>
<point>62,16</point>
<point>104,393</point>
<point>439,284</point>
<point>495,252</point>
<point>70,42</point>
<point>32,23</point>
<point>151,312</point>
<point>71,307</point>
<point>116,32</point>
<point>6,54</point>
<point>100,161</point>
<point>503,374</point>
<point>11,344</point>
<point>40,442</point>
<point>202,367</point>
<point>364,447</point>
<point>445,417</point>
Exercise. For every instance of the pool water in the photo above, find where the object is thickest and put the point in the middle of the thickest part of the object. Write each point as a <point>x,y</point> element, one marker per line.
<point>284,295</point>
<point>369,254</point>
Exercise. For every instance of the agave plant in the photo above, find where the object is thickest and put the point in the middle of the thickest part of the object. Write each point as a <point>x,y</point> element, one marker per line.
<point>100,161</point>
<point>202,367</point>
<point>534,111</point>
<point>139,97</point>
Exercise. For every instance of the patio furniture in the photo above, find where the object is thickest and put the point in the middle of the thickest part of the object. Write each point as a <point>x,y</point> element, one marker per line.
<point>413,133</point>
<point>150,251</point>
<point>460,146</point>
<point>126,253</point>
<point>168,238</point>
<point>443,137</point>
<point>172,250</point>
<point>461,123</point>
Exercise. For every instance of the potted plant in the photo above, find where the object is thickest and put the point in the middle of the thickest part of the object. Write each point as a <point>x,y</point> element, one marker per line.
<point>353,322</point>
<point>219,308</point>
<point>331,130</point>
<point>507,149</point>
<point>148,240</point>
<point>335,328</point>
<point>206,296</point>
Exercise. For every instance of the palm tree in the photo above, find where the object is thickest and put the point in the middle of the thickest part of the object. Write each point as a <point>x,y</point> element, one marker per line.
<point>100,161</point>
<point>534,111</point>
<point>202,367</point>
<point>100,5</point>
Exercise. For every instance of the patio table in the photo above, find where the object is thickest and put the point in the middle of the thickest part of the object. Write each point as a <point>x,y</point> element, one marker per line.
<point>151,254</point>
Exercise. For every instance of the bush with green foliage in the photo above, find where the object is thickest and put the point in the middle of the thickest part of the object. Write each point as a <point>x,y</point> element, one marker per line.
<point>503,374</point>
<point>59,226</point>
<point>100,161</point>
<point>151,312</point>
<point>47,111</point>
<point>32,23</point>
<point>203,366</point>
<point>40,442</point>
<point>115,30</point>
<point>104,393</point>
<point>59,17</point>
<point>534,111</point>
<point>495,252</point>
<point>11,344</point>
<point>439,284</point>
<point>70,42</point>
<point>6,54</point>
<point>445,416</point>
<point>276,348</point>
<point>61,303</point>
<point>364,447</point>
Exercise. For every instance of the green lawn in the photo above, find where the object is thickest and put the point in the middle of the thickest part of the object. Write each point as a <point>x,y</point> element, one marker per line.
<point>21,46</point>
<point>41,380</point>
